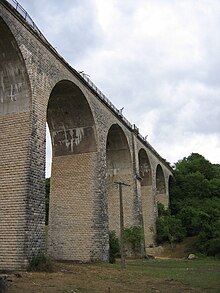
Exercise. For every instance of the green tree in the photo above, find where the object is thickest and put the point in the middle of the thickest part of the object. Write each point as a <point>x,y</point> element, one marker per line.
<point>195,201</point>
<point>169,229</point>
<point>197,163</point>
<point>134,236</point>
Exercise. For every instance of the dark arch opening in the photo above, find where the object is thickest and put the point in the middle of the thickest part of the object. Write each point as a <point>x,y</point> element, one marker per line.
<point>161,195</point>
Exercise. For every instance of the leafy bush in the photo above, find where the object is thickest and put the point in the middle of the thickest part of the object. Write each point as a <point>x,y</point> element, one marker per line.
<point>41,263</point>
<point>162,211</point>
<point>134,236</point>
<point>114,247</point>
<point>213,247</point>
<point>169,229</point>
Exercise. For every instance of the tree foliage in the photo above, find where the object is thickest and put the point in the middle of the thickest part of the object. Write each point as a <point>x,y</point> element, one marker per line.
<point>195,201</point>
<point>134,236</point>
<point>169,229</point>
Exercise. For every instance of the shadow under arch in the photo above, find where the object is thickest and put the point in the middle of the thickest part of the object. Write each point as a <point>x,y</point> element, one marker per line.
<point>119,169</point>
<point>74,153</point>
<point>147,200</point>
<point>161,195</point>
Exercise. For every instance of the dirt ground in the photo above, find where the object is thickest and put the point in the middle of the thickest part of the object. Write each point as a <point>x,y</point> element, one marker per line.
<point>99,278</point>
<point>181,250</point>
<point>79,278</point>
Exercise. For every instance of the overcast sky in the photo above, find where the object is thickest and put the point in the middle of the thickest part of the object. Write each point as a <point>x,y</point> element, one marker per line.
<point>159,59</point>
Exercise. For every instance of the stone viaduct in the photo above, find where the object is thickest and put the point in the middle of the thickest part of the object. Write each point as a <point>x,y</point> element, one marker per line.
<point>93,146</point>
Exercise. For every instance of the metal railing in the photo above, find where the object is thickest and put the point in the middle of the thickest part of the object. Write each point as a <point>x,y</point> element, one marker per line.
<point>27,18</point>
<point>22,12</point>
<point>105,99</point>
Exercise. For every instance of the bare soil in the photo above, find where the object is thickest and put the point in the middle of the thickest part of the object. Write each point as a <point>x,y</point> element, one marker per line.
<point>106,278</point>
<point>78,278</point>
<point>181,250</point>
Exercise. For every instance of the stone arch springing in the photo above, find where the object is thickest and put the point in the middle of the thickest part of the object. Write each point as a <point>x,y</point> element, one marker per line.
<point>147,202</point>
<point>119,169</point>
<point>161,195</point>
<point>74,151</point>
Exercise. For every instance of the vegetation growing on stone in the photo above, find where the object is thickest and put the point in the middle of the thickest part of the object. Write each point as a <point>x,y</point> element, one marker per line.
<point>41,263</point>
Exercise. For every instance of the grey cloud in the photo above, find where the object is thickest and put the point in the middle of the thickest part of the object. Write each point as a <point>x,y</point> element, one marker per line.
<point>71,28</point>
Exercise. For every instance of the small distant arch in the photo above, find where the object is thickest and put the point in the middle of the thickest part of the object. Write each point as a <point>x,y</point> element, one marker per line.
<point>145,173</point>
<point>160,180</point>
<point>161,195</point>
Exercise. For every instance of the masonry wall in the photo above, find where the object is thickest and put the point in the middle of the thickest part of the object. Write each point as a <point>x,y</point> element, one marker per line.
<point>21,229</point>
<point>13,181</point>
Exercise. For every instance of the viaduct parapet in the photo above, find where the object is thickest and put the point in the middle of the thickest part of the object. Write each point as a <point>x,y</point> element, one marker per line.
<point>93,146</point>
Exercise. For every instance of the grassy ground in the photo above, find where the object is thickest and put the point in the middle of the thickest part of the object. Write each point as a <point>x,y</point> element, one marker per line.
<point>170,275</point>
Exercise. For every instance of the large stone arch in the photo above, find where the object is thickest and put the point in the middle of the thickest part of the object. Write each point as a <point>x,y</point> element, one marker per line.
<point>147,200</point>
<point>74,151</point>
<point>161,194</point>
<point>21,210</point>
<point>119,169</point>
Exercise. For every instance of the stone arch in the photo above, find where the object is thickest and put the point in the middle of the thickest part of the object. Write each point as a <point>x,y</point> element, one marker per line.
<point>14,81</point>
<point>70,121</point>
<point>119,169</point>
<point>170,182</point>
<point>144,168</point>
<point>18,183</point>
<point>73,176</point>
<point>161,195</point>
<point>147,202</point>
